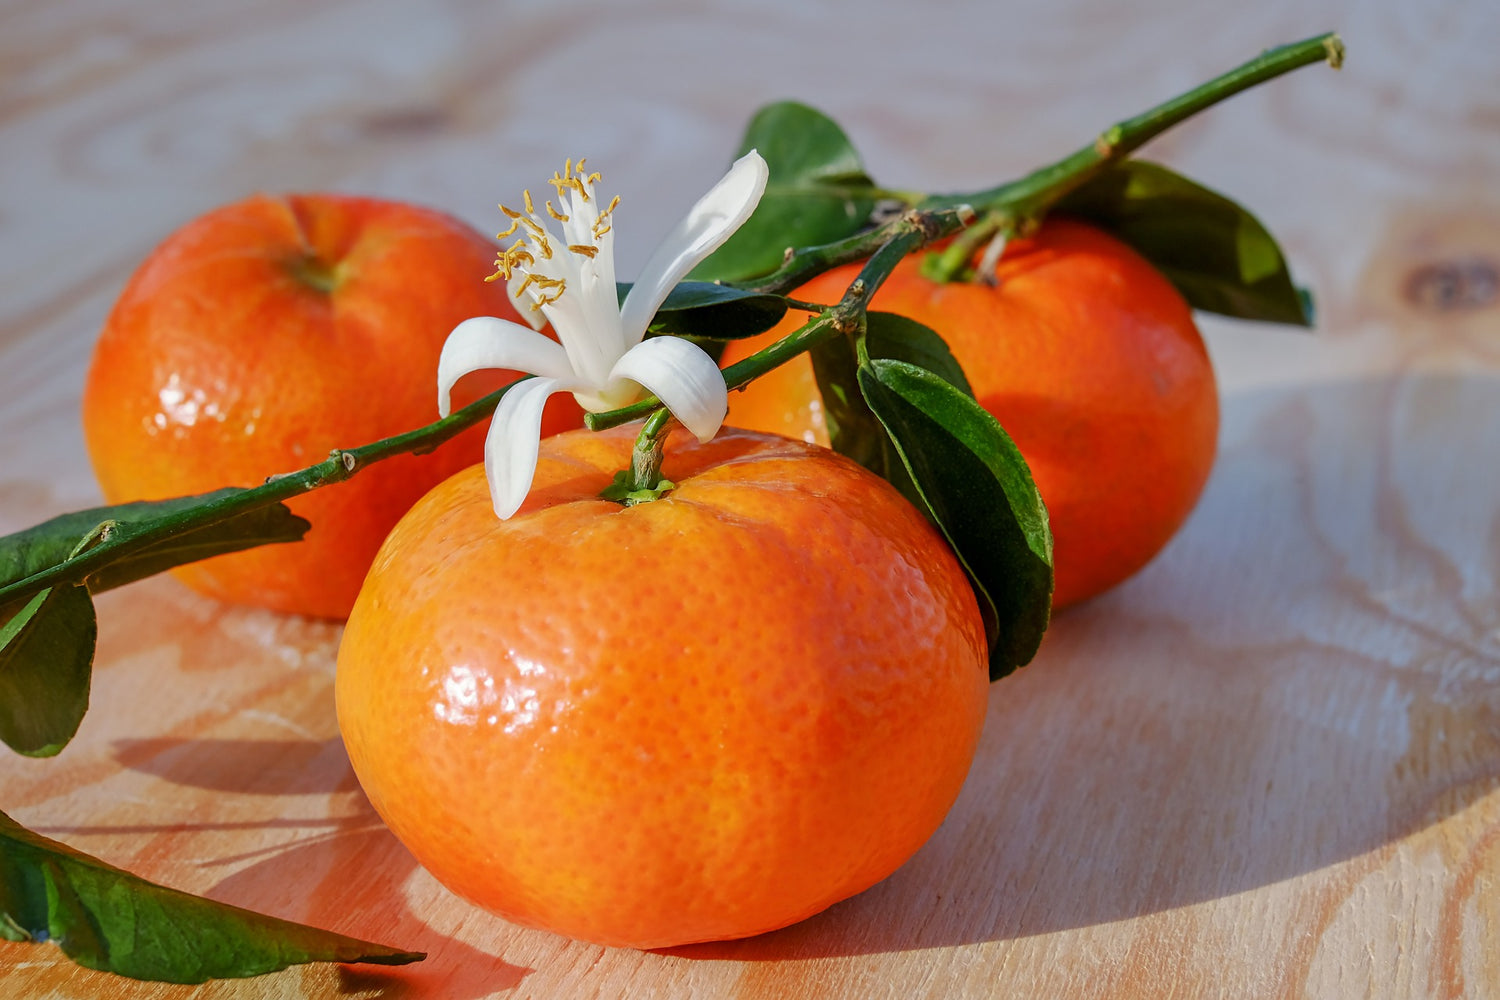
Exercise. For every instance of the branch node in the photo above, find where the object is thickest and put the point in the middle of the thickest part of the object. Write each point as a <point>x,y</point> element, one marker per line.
<point>927,223</point>
<point>1109,140</point>
<point>1334,46</point>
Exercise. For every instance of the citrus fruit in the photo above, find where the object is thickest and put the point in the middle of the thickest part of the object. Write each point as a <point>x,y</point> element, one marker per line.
<point>266,333</point>
<point>697,718</point>
<point>1090,360</point>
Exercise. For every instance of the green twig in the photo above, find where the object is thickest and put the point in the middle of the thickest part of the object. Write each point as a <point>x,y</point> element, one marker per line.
<point>806,262</point>
<point>1038,191</point>
<point>1023,202</point>
<point>108,544</point>
<point>944,266</point>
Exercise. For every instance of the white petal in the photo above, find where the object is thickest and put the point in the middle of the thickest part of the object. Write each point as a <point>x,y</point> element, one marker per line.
<point>487,342</point>
<point>592,344</point>
<point>510,448</point>
<point>710,222</point>
<point>540,264</point>
<point>683,377</point>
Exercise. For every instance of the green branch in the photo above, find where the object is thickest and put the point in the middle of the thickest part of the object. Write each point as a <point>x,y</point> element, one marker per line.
<point>1026,200</point>
<point>1018,204</point>
<point>106,544</point>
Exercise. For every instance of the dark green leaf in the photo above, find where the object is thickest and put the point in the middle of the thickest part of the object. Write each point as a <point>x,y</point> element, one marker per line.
<point>899,338</point>
<point>46,663</point>
<point>702,309</point>
<point>818,192</point>
<point>51,542</point>
<point>853,430</point>
<point>1217,254</point>
<point>979,491</point>
<point>106,918</point>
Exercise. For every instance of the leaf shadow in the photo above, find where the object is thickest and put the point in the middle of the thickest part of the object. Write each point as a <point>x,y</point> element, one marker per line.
<point>242,766</point>
<point>363,869</point>
<point>1295,685</point>
<point>343,872</point>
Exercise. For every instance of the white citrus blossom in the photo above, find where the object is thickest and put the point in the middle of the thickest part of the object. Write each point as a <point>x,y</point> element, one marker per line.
<point>602,359</point>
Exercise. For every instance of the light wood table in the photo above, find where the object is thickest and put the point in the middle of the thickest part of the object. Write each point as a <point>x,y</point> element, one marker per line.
<point>1266,767</point>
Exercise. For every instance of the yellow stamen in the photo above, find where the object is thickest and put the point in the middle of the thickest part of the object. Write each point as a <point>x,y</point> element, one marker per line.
<point>573,178</point>
<point>515,219</point>
<point>566,184</point>
<point>533,234</point>
<point>587,180</point>
<point>551,289</point>
<point>506,261</point>
<point>602,224</point>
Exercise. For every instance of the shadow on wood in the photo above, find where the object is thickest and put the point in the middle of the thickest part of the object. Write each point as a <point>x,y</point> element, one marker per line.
<point>1304,680</point>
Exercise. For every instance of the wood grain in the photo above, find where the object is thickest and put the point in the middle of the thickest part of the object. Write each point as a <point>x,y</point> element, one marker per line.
<point>1269,766</point>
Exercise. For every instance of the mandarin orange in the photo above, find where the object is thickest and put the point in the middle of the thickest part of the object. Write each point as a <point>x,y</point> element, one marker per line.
<point>1086,355</point>
<point>266,333</point>
<point>697,718</point>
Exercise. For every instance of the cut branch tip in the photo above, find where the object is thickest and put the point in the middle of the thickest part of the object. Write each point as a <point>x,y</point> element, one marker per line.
<point>1334,46</point>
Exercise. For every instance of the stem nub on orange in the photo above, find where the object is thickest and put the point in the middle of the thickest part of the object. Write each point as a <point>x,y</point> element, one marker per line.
<point>1088,357</point>
<point>698,718</point>
<point>266,333</point>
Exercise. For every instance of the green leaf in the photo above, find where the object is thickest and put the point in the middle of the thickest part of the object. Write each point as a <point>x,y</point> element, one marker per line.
<point>51,542</point>
<point>1218,255</point>
<point>105,918</point>
<point>702,309</point>
<point>978,490</point>
<point>818,192</point>
<point>855,431</point>
<point>46,665</point>
<point>899,338</point>
<point>47,638</point>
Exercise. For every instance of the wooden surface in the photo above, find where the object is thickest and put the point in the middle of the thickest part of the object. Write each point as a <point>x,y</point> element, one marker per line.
<point>1266,767</point>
